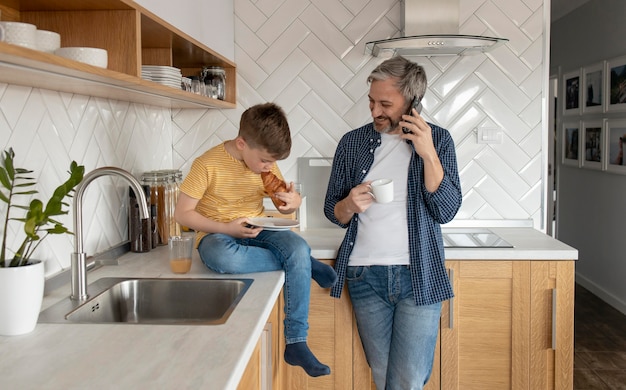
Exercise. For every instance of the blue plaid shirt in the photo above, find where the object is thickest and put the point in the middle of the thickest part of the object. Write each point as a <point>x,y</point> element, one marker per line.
<point>425,210</point>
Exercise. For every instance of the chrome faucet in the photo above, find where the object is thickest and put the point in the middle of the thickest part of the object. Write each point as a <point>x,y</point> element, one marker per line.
<point>79,257</point>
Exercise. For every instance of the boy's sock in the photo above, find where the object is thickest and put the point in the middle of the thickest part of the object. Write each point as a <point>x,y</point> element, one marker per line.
<point>323,274</point>
<point>299,354</point>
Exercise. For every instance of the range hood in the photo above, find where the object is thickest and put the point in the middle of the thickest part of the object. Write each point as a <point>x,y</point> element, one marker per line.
<point>430,28</point>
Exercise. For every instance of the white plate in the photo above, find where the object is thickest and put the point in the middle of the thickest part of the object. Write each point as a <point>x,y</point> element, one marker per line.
<point>269,223</point>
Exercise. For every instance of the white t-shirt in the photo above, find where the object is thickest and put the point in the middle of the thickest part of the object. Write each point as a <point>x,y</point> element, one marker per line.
<point>382,237</point>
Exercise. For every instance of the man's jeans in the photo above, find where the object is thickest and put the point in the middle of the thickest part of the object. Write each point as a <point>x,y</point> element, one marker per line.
<point>398,336</point>
<point>269,251</point>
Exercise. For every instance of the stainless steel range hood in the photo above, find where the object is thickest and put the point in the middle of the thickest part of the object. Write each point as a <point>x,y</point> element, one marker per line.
<point>430,28</point>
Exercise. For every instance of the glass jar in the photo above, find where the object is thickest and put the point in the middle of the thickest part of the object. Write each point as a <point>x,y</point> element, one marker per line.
<point>174,178</point>
<point>139,230</point>
<point>214,78</point>
<point>159,201</point>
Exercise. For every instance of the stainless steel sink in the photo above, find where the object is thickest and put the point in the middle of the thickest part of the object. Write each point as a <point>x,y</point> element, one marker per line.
<point>152,301</point>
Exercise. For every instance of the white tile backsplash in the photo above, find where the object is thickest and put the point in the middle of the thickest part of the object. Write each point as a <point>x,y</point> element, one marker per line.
<point>48,129</point>
<point>309,57</point>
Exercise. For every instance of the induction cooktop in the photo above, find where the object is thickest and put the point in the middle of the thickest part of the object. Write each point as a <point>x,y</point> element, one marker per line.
<point>473,238</point>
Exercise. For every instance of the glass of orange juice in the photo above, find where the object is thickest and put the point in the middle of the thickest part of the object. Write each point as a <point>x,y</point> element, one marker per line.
<point>181,248</point>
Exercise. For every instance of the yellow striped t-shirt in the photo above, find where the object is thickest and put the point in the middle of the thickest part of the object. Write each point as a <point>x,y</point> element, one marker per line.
<point>226,188</point>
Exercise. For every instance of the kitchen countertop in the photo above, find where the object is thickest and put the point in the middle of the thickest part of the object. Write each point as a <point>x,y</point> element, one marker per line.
<point>74,356</point>
<point>125,356</point>
<point>528,244</point>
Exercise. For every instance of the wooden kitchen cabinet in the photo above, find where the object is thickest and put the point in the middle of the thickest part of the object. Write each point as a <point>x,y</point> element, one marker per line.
<point>331,338</point>
<point>552,325</point>
<point>498,331</point>
<point>262,371</point>
<point>509,326</point>
<point>132,36</point>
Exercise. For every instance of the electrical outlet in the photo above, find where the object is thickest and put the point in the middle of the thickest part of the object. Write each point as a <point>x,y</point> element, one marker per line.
<point>489,136</point>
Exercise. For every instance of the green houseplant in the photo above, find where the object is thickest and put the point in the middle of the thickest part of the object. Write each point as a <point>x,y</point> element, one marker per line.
<point>21,278</point>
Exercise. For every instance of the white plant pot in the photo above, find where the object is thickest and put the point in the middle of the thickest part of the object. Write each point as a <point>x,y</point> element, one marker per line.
<point>21,294</point>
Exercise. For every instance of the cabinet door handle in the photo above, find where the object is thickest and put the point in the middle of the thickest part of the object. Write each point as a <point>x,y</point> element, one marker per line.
<point>266,358</point>
<point>451,303</point>
<point>554,319</point>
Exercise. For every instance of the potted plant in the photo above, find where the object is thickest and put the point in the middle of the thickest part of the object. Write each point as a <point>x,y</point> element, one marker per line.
<point>21,278</point>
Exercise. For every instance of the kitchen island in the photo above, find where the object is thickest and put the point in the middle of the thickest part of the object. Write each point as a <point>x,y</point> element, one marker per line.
<point>73,356</point>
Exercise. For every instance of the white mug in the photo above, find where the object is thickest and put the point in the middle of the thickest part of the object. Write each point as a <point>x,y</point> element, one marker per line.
<point>382,190</point>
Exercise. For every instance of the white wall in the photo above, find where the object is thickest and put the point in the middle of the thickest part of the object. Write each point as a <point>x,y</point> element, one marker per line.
<point>208,21</point>
<point>590,206</point>
<point>308,56</point>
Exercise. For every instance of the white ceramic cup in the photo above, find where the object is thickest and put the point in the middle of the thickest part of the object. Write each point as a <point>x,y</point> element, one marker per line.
<point>21,34</point>
<point>88,55</point>
<point>382,190</point>
<point>48,41</point>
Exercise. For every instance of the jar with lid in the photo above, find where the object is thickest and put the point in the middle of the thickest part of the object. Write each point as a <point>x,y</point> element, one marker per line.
<point>214,78</point>
<point>174,178</point>
<point>159,200</point>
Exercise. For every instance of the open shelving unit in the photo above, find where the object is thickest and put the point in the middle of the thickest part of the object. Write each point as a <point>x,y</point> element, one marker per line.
<point>132,36</point>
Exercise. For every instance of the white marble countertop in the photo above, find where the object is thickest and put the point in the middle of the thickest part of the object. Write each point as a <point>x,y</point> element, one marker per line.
<point>133,356</point>
<point>77,356</point>
<point>528,244</point>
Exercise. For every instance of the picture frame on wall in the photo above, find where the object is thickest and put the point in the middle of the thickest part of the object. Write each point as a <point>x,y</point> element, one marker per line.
<point>615,145</point>
<point>616,84</point>
<point>593,145</point>
<point>570,139</point>
<point>571,93</point>
<point>593,88</point>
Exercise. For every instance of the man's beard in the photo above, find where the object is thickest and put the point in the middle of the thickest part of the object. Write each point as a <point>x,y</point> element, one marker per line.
<point>388,129</point>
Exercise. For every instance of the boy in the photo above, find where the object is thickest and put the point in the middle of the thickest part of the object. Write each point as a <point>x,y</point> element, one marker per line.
<point>223,190</point>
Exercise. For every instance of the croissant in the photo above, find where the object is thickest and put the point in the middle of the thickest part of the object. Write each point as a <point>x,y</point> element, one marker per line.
<point>273,185</point>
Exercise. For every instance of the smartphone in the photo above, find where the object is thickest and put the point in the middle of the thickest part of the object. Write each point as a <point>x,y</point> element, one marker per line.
<point>414,104</point>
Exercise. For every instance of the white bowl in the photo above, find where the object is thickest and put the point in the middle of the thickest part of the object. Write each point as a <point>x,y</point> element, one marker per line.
<point>21,34</point>
<point>88,55</point>
<point>48,41</point>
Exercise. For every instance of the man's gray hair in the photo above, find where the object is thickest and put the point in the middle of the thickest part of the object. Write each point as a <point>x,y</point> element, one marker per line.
<point>411,77</point>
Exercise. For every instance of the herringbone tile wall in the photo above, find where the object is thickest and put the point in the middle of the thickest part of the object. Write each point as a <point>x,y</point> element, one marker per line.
<point>48,129</point>
<point>308,56</point>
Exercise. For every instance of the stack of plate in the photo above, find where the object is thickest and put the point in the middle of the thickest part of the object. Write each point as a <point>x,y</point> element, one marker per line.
<point>166,75</point>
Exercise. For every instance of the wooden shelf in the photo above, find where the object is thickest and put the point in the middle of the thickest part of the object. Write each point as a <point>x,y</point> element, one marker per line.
<point>132,36</point>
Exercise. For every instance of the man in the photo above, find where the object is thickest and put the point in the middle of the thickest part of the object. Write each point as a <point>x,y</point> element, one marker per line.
<point>392,255</point>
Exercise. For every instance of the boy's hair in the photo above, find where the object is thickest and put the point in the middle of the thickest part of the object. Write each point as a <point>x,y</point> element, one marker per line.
<point>411,77</point>
<point>264,126</point>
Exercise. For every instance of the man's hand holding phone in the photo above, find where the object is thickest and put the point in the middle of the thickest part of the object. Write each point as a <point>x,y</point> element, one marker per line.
<point>414,104</point>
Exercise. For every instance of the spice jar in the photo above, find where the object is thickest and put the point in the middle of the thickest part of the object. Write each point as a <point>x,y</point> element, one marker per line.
<point>214,78</point>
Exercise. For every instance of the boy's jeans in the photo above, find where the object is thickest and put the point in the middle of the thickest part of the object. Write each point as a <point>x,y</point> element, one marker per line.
<point>398,336</point>
<point>269,251</point>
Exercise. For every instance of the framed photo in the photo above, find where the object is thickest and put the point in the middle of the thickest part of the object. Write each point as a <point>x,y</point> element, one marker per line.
<point>593,144</point>
<point>593,88</point>
<point>616,84</point>
<point>570,154</point>
<point>615,145</point>
<point>571,93</point>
